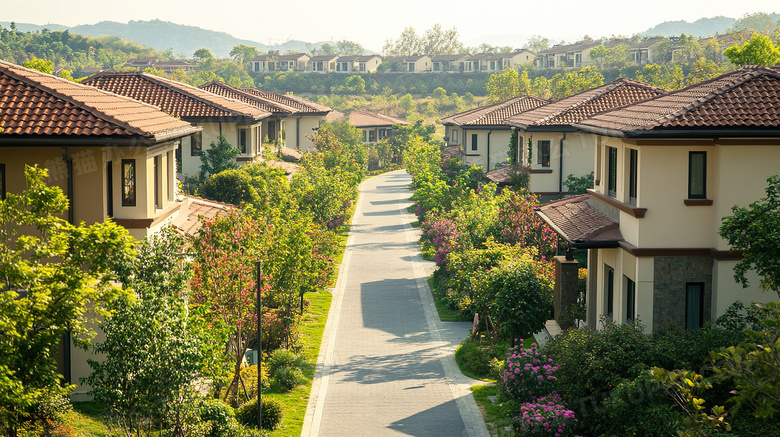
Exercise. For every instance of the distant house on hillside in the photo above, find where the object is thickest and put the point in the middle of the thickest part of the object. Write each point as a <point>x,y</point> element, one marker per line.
<point>375,126</point>
<point>270,63</point>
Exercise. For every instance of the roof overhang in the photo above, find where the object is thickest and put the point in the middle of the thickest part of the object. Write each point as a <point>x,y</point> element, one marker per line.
<point>681,133</point>
<point>580,224</point>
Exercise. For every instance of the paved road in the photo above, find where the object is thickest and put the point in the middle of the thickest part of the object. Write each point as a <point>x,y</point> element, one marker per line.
<point>386,365</point>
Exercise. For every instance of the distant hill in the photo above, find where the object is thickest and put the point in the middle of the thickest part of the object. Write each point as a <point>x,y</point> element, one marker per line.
<point>161,35</point>
<point>701,27</point>
<point>27,27</point>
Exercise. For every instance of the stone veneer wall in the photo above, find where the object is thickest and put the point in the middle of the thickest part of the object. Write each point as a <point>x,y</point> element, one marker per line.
<point>670,275</point>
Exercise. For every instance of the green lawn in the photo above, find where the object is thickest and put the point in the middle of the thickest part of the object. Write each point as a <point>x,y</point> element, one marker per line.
<point>87,420</point>
<point>495,418</point>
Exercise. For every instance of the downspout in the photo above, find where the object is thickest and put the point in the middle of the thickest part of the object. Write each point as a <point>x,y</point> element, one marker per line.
<point>298,133</point>
<point>71,219</point>
<point>560,171</point>
<point>488,151</point>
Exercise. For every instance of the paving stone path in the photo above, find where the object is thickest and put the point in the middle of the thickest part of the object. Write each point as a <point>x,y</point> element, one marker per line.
<point>386,365</point>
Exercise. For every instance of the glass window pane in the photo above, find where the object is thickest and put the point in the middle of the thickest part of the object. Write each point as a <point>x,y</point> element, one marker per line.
<point>693,305</point>
<point>697,175</point>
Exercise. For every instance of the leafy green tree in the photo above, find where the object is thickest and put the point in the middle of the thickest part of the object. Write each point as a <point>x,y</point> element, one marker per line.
<point>439,93</point>
<point>42,65</point>
<point>438,41</point>
<point>355,84</point>
<point>754,232</point>
<point>759,50</point>
<point>503,86</point>
<point>203,54</point>
<point>218,157</point>
<point>564,85</point>
<point>328,49</point>
<point>409,43</point>
<point>344,131</point>
<point>54,278</point>
<point>579,184</point>
<point>407,103</point>
<point>349,48</point>
<point>662,76</point>
<point>537,43</point>
<point>599,53</point>
<point>243,53</point>
<point>155,347</point>
<point>703,69</point>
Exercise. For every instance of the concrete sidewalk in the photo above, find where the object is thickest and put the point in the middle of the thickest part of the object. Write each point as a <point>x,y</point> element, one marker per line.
<point>386,364</point>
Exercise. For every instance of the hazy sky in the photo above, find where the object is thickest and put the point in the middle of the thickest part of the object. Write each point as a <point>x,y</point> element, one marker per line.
<point>371,22</point>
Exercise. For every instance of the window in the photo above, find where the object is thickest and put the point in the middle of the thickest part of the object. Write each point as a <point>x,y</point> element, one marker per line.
<point>632,176</point>
<point>609,289</point>
<point>630,300</point>
<point>2,181</point>
<point>196,144</point>
<point>474,143</point>
<point>372,136</point>
<point>454,136</point>
<point>128,182</point>
<point>242,141</point>
<point>157,184</point>
<point>383,133</point>
<point>110,189</point>
<point>697,175</point>
<point>694,305</point>
<point>612,171</point>
<point>271,131</point>
<point>543,157</point>
<point>411,66</point>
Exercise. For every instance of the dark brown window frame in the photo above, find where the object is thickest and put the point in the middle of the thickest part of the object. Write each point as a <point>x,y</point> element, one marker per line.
<point>474,142</point>
<point>633,174</point>
<point>132,183</point>
<point>196,144</point>
<point>701,303</point>
<point>2,181</point>
<point>611,171</point>
<point>543,158</point>
<point>609,290</point>
<point>703,195</point>
<point>630,300</point>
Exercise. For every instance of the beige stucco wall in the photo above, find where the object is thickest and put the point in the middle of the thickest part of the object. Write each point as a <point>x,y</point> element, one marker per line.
<point>300,129</point>
<point>499,145</point>
<point>211,132</point>
<point>578,152</point>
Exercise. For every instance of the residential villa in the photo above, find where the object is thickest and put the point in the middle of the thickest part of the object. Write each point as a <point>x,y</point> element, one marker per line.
<point>668,169</point>
<point>269,63</point>
<point>448,63</point>
<point>112,156</point>
<point>643,52</point>
<point>482,135</point>
<point>375,126</point>
<point>322,64</point>
<point>141,64</point>
<point>496,62</point>
<point>409,64</point>
<point>358,64</point>
<point>294,119</point>
<point>566,56</point>
<point>238,122</point>
<point>560,150</point>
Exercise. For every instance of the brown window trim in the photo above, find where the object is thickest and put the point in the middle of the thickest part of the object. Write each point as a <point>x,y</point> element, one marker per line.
<point>540,171</point>
<point>720,255</point>
<point>697,202</point>
<point>628,209</point>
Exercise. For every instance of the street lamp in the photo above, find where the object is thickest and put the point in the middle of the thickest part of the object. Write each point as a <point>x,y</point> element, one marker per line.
<point>258,269</point>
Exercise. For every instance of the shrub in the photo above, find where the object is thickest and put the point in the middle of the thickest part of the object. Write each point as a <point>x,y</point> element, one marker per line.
<point>282,358</point>
<point>272,412</point>
<point>547,416</point>
<point>218,415</point>
<point>522,300</point>
<point>286,378</point>
<point>528,375</point>
<point>479,360</point>
<point>639,407</point>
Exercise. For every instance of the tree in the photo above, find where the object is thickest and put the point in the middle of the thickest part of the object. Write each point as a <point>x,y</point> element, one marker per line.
<point>661,76</point>
<point>42,65</point>
<point>349,48</point>
<point>759,50</point>
<point>537,43</point>
<point>345,132</point>
<point>223,283</point>
<point>218,157</point>
<point>409,43</point>
<point>437,41</point>
<point>355,84</point>
<point>54,278</point>
<point>703,69</point>
<point>328,49</point>
<point>564,85</point>
<point>503,86</point>
<point>599,53</point>
<point>754,232</point>
<point>243,53</point>
<point>155,347</point>
<point>203,54</point>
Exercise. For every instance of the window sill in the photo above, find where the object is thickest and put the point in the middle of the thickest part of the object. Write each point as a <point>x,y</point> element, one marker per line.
<point>697,202</point>
<point>541,171</point>
<point>628,209</point>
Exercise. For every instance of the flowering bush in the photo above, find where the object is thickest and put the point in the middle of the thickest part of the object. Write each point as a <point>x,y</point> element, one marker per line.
<point>520,225</point>
<point>528,374</point>
<point>439,237</point>
<point>547,416</point>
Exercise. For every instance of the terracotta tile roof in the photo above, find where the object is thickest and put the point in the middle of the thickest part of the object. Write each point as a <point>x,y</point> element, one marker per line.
<point>335,116</point>
<point>288,167</point>
<point>365,118</point>
<point>290,155</point>
<point>496,114</point>
<point>324,58</point>
<point>35,103</point>
<point>452,151</point>
<point>580,106</point>
<point>195,211</point>
<point>175,98</point>
<point>569,48</point>
<point>301,105</point>
<point>580,223</point>
<point>746,99</point>
<point>501,175</point>
<point>240,94</point>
